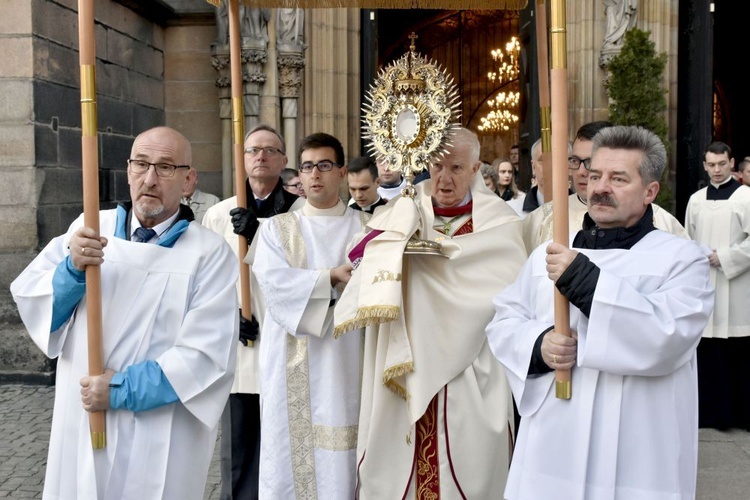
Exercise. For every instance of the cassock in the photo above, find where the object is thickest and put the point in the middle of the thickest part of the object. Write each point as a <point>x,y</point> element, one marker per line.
<point>537,227</point>
<point>630,430</point>
<point>722,222</point>
<point>437,413</point>
<point>719,217</point>
<point>176,306</point>
<point>310,382</point>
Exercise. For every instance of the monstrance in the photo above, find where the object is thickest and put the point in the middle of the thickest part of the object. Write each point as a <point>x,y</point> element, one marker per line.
<point>411,112</point>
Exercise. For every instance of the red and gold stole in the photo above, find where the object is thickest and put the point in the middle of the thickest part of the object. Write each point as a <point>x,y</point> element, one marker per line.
<point>426,445</point>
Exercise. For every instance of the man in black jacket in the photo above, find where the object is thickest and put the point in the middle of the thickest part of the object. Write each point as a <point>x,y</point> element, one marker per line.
<point>265,158</point>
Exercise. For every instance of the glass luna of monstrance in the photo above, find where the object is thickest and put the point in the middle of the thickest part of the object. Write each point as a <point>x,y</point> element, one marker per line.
<point>410,114</point>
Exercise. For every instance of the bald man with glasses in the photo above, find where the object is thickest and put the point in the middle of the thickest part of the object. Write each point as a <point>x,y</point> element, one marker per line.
<point>169,324</point>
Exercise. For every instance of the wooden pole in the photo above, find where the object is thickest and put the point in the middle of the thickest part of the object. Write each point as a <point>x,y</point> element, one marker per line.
<point>559,92</point>
<point>542,57</point>
<point>235,61</point>
<point>90,171</point>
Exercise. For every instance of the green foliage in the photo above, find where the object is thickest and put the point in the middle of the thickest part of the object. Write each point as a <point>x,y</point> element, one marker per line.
<point>636,93</point>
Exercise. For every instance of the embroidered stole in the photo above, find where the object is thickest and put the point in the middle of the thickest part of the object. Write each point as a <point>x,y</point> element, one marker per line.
<point>427,473</point>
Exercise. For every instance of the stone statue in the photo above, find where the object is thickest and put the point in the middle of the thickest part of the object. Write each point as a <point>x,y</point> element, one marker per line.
<point>290,28</point>
<point>621,17</point>
<point>254,23</point>
<point>222,24</point>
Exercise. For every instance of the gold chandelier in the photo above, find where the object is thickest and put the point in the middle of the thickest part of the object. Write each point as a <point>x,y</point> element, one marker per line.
<point>503,107</point>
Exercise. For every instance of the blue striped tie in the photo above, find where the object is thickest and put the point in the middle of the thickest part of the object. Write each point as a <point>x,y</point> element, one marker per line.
<point>143,235</point>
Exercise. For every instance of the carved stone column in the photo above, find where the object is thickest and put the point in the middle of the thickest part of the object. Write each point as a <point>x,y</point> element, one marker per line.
<point>220,62</point>
<point>253,53</point>
<point>254,58</point>
<point>290,66</point>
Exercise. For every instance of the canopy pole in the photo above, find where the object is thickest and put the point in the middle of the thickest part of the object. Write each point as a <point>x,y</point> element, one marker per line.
<point>559,93</point>
<point>235,60</point>
<point>90,172</point>
<point>542,57</point>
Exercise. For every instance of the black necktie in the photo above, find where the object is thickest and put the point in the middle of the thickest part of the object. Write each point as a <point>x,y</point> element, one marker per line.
<point>143,235</point>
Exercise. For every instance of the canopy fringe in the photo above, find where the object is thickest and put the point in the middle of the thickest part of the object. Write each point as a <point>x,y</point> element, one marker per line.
<point>388,4</point>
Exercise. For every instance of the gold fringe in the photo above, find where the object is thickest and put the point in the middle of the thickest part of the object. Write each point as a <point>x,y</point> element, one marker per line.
<point>397,388</point>
<point>367,316</point>
<point>389,4</point>
<point>390,381</point>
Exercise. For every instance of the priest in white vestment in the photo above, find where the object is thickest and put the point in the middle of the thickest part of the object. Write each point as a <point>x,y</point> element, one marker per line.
<point>169,324</point>
<point>538,224</point>
<point>310,382</point>
<point>639,299</point>
<point>718,216</point>
<point>437,414</point>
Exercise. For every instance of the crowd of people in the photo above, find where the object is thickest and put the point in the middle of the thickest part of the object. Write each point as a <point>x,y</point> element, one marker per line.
<point>367,369</point>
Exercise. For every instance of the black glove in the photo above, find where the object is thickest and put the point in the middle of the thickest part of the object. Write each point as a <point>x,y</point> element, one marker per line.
<point>244,222</point>
<point>248,329</point>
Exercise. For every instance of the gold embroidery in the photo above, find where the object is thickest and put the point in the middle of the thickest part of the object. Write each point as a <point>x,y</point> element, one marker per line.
<point>301,432</point>
<point>384,275</point>
<point>335,438</point>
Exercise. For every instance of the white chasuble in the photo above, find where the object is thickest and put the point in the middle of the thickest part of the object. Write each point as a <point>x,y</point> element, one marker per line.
<point>724,226</point>
<point>175,306</point>
<point>431,366</point>
<point>310,382</point>
<point>630,430</point>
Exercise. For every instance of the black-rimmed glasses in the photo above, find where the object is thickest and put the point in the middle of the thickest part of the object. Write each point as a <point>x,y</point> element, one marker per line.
<point>323,166</point>
<point>297,185</point>
<point>574,162</point>
<point>269,151</point>
<point>140,167</point>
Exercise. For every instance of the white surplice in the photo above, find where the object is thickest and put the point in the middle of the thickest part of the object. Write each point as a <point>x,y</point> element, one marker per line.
<point>724,226</point>
<point>218,220</point>
<point>175,306</point>
<point>310,382</point>
<point>630,430</point>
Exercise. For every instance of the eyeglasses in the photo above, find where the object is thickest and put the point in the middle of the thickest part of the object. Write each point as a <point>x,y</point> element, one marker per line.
<point>270,151</point>
<point>162,169</point>
<point>574,162</point>
<point>323,166</point>
<point>297,185</point>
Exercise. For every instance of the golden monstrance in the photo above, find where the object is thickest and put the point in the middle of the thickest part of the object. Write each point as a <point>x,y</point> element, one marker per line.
<point>410,115</point>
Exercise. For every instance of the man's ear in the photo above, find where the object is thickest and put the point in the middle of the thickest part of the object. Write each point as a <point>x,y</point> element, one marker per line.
<point>652,189</point>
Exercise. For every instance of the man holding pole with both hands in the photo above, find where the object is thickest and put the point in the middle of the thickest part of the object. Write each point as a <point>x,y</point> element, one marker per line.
<point>639,300</point>
<point>169,326</point>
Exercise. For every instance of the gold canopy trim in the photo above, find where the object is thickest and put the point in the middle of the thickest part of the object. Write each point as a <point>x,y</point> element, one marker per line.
<point>388,4</point>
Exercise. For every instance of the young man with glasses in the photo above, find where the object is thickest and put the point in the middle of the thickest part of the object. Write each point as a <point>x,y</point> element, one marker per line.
<point>311,381</point>
<point>169,326</point>
<point>539,223</point>
<point>264,158</point>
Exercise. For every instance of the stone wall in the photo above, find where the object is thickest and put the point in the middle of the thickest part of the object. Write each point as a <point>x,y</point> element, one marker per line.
<point>40,130</point>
